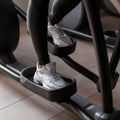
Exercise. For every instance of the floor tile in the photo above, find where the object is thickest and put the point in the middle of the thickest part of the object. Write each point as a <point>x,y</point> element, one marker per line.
<point>63,116</point>
<point>85,87</point>
<point>11,91</point>
<point>84,53</point>
<point>31,108</point>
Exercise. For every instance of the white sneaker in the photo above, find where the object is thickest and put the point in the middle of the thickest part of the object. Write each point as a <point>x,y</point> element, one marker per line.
<point>60,38</point>
<point>48,77</point>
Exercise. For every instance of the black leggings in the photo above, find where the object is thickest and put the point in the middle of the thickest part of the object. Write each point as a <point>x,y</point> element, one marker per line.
<point>37,20</point>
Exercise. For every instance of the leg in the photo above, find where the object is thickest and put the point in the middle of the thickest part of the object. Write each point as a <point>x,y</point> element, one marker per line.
<point>37,13</point>
<point>59,9</point>
<point>37,26</point>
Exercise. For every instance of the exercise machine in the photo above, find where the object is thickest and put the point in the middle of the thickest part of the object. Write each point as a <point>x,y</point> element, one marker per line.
<point>105,82</point>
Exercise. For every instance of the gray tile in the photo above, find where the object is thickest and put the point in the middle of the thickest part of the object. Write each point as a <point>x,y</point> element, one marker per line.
<point>11,92</point>
<point>32,108</point>
<point>63,116</point>
<point>84,54</point>
<point>85,87</point>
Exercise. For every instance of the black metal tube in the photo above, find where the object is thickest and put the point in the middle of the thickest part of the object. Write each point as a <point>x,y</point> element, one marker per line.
<point>79,68</point>
<point>20,12</point>
<point>101,54</point>
<point>115,55</point>
<point>77,33</point>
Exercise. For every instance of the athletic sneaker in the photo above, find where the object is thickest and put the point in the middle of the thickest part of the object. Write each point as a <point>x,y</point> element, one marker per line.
<point>60,38</point>
<point>48,77</point>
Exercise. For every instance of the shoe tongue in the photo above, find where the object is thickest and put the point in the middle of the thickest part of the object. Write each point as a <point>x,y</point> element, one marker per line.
<point>51,66</point>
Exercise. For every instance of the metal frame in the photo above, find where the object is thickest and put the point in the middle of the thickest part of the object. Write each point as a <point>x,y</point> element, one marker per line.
<point>101,52</point>
<point>106,70</point>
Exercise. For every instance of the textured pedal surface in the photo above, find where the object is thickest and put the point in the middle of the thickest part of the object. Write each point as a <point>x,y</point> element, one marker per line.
<point>52,95</point>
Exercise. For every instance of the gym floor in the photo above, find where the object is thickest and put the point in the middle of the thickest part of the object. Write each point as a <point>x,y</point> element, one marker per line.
<point>18,103</point>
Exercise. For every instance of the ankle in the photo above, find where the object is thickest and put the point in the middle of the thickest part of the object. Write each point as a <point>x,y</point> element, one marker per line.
<point>49,24</point>
<point>40,66</point>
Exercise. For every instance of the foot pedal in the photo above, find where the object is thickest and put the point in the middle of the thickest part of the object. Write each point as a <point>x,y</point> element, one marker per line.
<point>111,37</point>
<point>52,95</point>
<point>61,51</point>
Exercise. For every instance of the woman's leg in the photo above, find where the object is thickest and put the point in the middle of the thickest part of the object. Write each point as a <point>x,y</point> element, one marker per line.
<point>60,8</point>
<point>37,14</point>
<point>37,20</point>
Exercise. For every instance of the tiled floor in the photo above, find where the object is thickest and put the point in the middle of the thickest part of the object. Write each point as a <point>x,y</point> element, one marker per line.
<point>18,103</point>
